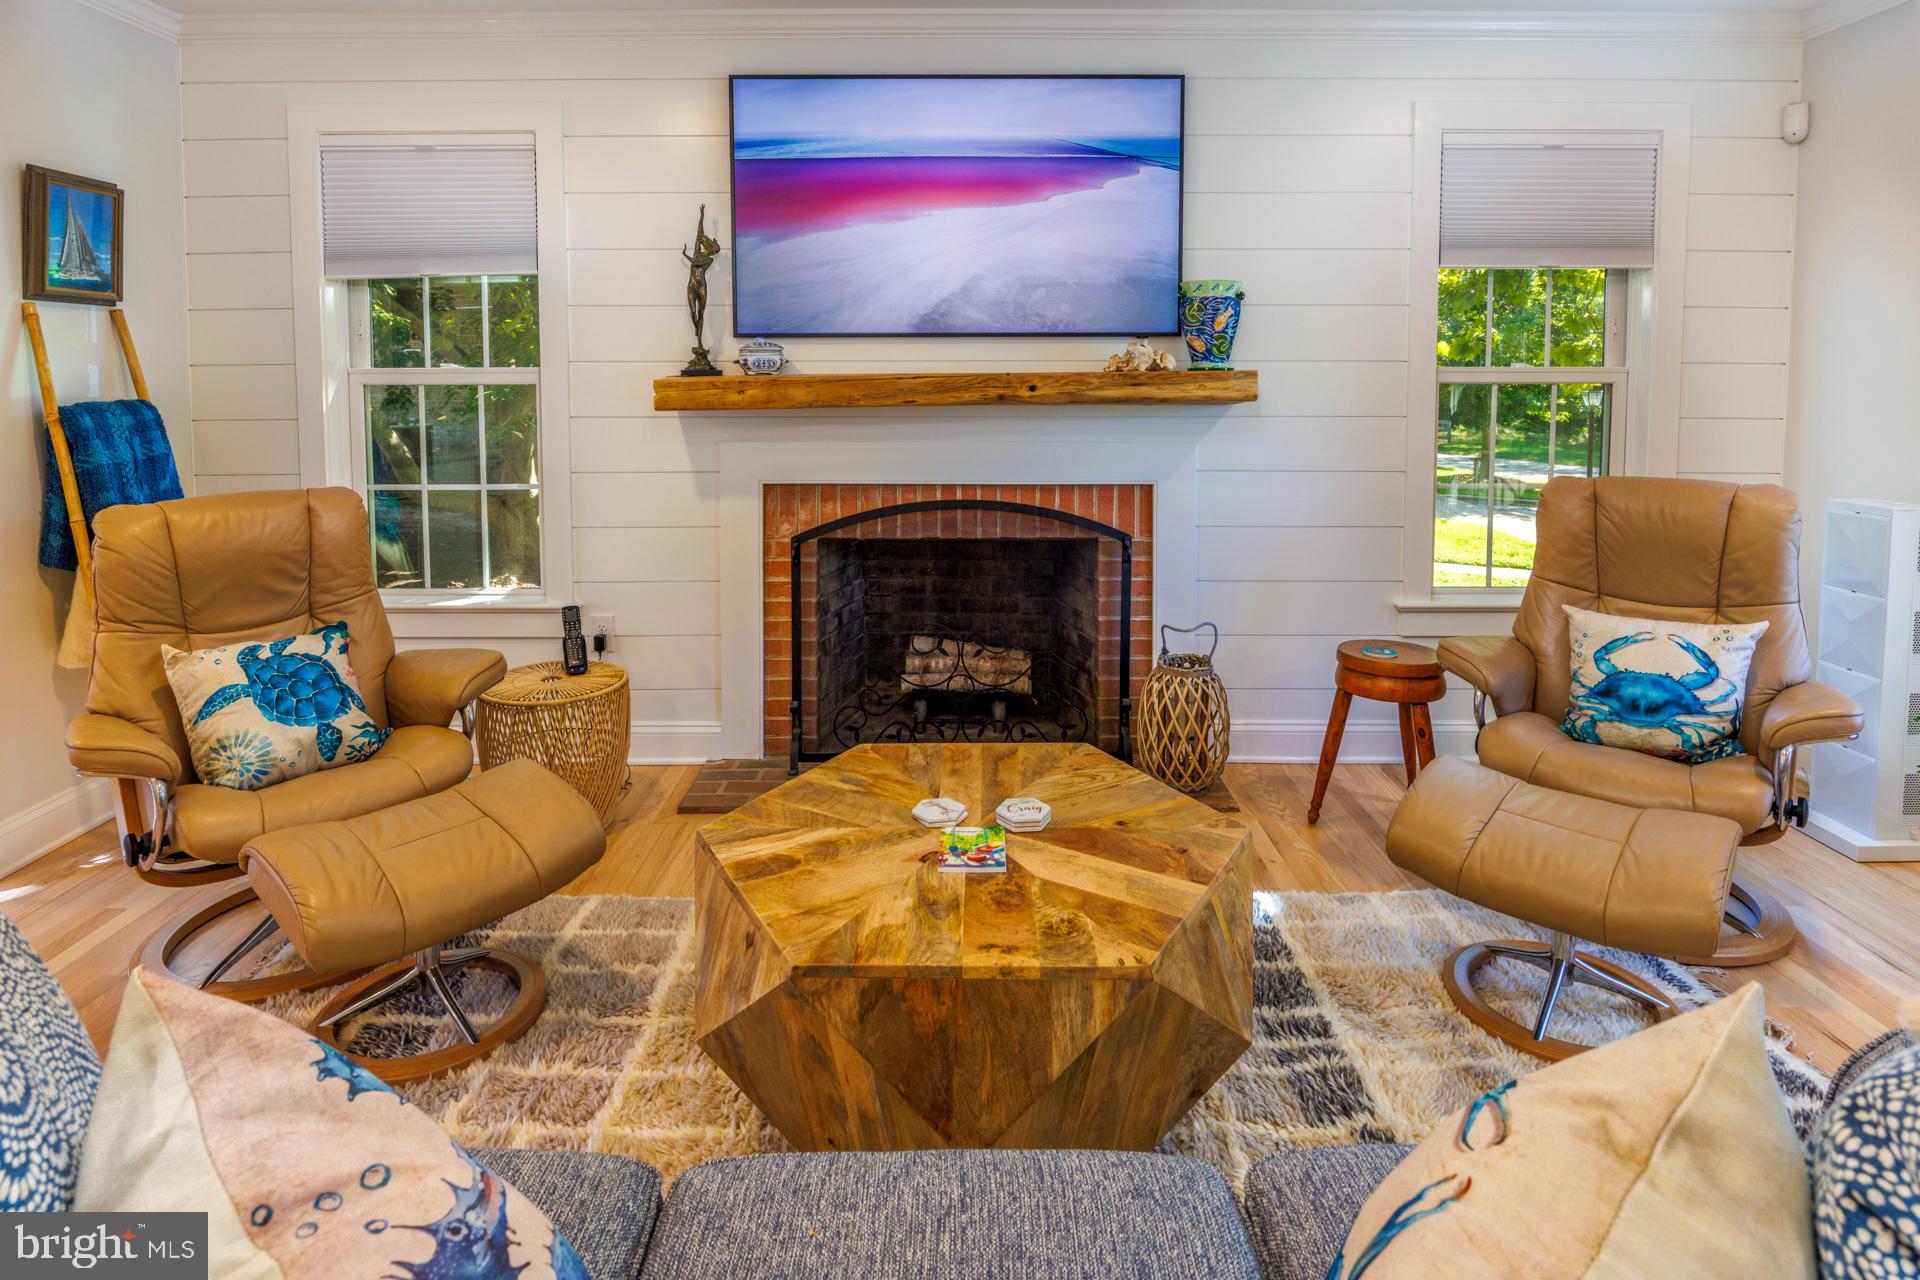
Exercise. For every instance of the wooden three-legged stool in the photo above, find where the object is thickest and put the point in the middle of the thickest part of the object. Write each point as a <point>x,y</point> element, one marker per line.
<point>1386,671</point>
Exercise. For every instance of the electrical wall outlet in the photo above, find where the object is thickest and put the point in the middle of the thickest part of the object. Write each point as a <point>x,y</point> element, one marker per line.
<point>600,624</point>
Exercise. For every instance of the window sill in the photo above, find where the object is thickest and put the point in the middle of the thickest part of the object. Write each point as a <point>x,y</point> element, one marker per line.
<point>441,602</point>
<point>1489,602</point>
<point>1456,615</point>
<point>479,617</point>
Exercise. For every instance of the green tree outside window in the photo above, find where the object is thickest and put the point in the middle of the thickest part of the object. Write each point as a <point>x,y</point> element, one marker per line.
<point>453,467</point>
<point>1497,443</point>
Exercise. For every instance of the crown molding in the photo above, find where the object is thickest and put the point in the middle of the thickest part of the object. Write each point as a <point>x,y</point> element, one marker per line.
<point>1024,23</point>
<point>154,19</point>
<point>1835,14</point>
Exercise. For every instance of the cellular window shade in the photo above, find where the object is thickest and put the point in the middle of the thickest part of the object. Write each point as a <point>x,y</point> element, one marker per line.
<point>1547,206</point>
<point>435,210</point>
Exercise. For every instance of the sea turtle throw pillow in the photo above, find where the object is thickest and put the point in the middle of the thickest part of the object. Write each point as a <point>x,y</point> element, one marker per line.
<point>1672,689</point>
<point>307,1166</point>
<point>264,711</point>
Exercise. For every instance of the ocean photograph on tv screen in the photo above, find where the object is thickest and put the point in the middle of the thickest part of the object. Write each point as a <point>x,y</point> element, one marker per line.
<point>998,205</point>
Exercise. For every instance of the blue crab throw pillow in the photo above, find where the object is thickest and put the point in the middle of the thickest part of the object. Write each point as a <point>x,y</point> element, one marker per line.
<point>1866,1169</point>
<point>261,712</point>
<point>1672,689</point>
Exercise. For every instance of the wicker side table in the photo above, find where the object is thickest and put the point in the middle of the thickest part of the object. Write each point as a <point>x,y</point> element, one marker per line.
<point>576,726</point>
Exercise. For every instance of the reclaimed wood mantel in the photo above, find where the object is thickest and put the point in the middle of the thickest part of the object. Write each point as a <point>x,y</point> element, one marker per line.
<point>908,390</point>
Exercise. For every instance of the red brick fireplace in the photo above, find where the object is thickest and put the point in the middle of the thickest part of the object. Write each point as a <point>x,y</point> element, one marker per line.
<point>977,576</point>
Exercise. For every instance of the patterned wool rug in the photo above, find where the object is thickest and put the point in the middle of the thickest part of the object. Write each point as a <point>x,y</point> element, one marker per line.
<point>1355,1040</point>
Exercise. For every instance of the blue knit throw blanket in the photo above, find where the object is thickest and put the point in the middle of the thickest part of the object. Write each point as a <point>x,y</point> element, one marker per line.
<point>120,454</point>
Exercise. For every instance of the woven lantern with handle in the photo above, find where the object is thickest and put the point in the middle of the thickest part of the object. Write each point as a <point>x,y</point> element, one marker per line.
<point>1183,725</point>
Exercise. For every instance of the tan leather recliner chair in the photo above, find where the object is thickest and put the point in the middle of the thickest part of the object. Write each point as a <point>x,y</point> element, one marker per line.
<point>1686,550</point>
<point>201,572</point>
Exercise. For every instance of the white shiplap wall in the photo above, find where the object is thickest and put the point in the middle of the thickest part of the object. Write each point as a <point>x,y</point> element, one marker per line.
<point>1298,182</point>
<point>121,124</point>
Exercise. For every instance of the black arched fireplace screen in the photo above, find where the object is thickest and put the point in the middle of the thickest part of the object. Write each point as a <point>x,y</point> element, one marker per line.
<point>956,638</point>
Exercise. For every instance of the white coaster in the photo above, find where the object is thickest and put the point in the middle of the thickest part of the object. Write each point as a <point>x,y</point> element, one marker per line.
<point>1024,813</point>
<point>940,811</point>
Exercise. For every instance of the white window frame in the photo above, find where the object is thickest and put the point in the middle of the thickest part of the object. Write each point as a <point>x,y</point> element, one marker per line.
<point>1612,372</point>
<point>361,375</point>
<point>331,450</point>
<point>1646,419</point>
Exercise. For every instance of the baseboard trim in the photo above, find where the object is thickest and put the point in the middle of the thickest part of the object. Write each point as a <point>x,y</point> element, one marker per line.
<point>59,818</point>
<point>673,742</point>
<point>1844,840</point>
<point>1254,741</point>
<point>52,822</point>
<point>1298,741</point>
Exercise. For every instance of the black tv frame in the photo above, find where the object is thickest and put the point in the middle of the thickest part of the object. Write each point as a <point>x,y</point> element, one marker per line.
<point>1180,216</point>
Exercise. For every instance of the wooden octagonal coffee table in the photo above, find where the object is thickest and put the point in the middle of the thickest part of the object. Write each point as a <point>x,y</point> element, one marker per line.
<point>867,1000</point>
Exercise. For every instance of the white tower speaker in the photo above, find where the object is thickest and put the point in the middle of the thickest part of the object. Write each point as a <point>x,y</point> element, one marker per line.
<point>1866,793</point>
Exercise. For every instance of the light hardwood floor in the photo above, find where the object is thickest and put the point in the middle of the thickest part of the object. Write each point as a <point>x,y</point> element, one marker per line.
<point>1857,959</point>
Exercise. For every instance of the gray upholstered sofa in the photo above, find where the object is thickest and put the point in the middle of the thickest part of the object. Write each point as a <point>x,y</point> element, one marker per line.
<point>981,1215</point>
<point>1021,1215</point>
<point>990,1215</point>
<point>1007,1215</point>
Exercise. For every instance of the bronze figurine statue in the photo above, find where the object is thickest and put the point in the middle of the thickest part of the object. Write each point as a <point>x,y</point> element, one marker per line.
<point>705,250</point>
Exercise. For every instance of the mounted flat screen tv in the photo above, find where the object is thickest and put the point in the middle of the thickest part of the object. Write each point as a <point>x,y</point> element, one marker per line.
<point>983,205</point>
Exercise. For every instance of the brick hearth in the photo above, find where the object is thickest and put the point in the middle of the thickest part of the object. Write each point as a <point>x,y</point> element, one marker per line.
<point>794,508</point>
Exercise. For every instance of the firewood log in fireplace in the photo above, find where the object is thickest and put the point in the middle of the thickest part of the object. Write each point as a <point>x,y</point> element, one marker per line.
<point>962,666</point>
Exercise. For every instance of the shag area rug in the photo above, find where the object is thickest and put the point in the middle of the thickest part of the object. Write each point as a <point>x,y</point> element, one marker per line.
<point>1355,1039</point>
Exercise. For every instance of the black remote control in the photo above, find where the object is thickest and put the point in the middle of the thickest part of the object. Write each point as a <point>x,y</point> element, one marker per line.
<point>573,645</point>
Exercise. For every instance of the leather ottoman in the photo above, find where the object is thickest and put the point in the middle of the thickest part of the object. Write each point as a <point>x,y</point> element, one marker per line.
<point>405,880</point>
<point>1649,880</point>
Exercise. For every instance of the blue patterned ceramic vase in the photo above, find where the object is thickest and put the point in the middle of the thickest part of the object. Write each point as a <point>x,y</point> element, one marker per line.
<point>1209,317</point>
<point>761,357</point>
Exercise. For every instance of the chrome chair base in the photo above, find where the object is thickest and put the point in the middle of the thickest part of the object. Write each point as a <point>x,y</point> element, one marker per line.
<point>267,927</point>
<point>435,966</point>
<point>1563,962</point>
<point>1757,929</point>
<point>432,966</point>
<point>164,952</point>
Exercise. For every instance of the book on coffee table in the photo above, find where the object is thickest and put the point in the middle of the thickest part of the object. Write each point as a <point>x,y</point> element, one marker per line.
<point>973,849</point>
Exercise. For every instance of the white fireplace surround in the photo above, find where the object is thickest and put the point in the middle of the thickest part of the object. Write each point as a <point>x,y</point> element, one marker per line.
<point>949,451</point>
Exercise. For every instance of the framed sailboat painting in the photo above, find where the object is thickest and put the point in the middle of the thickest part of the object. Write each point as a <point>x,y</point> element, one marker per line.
<point>74,230</point>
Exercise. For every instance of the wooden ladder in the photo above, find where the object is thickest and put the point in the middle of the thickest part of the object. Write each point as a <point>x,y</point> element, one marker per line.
<point>62,455</point>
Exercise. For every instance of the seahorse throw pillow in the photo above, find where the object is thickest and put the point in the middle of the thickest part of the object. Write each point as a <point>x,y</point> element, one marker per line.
<point>264,711</point>
<point>306,1165</point>
<point>1672,689</point>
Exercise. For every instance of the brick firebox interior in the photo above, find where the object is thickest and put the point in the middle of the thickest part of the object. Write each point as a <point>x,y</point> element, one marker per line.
<point>790,509</point>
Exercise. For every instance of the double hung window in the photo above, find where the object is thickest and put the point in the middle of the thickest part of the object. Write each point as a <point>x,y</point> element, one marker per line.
<point>1538,235</point>
<point>1531,386</point>
<point>444,384</point>
<point>432,248</point>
